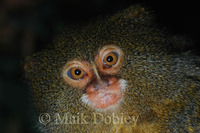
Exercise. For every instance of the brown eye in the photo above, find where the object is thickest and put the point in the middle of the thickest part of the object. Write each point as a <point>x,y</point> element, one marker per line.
<point>76,73</point>
<point>110,59</point>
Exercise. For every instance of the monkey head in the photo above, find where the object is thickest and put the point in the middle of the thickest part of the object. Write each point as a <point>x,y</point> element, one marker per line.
<point>121,64</point>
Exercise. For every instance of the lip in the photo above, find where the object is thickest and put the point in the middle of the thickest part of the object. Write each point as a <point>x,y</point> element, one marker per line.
<point>102,100</point>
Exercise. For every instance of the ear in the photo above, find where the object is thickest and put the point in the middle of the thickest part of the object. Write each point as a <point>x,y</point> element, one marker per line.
<point>134,14</point>
<point>28,63</point>
<point>28,66</point>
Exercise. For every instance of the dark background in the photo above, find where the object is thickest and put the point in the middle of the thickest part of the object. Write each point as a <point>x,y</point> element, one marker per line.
<point>27,26</point>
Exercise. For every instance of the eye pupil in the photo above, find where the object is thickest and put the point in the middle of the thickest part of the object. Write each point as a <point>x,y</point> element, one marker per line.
<point>109,59</point>
<point>78,72</point>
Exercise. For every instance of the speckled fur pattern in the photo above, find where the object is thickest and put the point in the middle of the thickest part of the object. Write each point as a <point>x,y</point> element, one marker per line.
<point>163,87</point>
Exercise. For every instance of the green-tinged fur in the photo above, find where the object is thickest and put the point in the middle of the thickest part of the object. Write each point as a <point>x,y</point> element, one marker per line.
<point>163,87</point>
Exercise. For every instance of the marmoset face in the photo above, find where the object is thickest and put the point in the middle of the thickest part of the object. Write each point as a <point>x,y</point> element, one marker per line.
<point>103,90</point>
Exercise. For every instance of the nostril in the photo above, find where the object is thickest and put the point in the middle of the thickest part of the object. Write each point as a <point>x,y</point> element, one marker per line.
<point>107,83</point>
<point>92,88</point>
<point>96,87</point>
<point>112,80</point>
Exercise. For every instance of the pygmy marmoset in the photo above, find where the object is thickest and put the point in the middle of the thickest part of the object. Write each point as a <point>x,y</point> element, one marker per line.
<point>117,74</point>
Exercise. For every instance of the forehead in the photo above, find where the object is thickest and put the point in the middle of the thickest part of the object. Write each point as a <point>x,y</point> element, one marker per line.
<point>84,43</point>
<point>80,50</point>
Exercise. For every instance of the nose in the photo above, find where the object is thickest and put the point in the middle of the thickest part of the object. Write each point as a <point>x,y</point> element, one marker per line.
<point>104,84</point>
